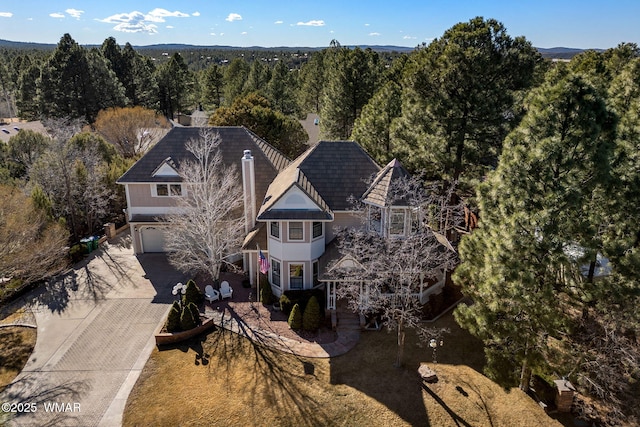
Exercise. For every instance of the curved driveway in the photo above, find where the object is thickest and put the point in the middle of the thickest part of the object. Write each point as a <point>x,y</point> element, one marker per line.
<point>95,334</point>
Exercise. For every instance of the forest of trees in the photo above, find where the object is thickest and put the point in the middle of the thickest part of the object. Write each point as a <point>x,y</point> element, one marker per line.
<point>546,153</point>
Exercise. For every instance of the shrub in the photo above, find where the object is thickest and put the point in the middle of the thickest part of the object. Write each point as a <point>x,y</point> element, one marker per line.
<point>285,304</point>
<point>76,252</point>
<point>193,294</point>
<point>173,319</point>
<point>194,312</point>
<point>266,293</point>
<point>187,320</point>
<point>302,297</point>
<point>295,318</point>
<point>311,316</point>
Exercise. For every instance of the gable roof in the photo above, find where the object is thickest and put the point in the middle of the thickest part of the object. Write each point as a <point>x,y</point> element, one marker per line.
<point>329,172</point>
<point>234,140</point>
<point>378,192</point>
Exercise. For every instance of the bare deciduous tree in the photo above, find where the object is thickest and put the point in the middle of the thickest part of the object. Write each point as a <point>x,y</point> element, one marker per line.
<point>73,178</point>
<point>207,226</point>
<point>31,247</point>
<point>392,270</point>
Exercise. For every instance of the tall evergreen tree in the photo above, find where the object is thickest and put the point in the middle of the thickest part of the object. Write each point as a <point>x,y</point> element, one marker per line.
<point>312,83</point>
<point>372,129</point>
<point>75,83</point>
<point>459,98</point>
<point>174,81</point>
<point>213,84</point>
<point>520,266</point>
<point>235,77</point>
<point>281,89</point>
<point>352,77</point>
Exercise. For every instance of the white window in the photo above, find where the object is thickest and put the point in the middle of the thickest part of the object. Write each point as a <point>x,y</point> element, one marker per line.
<point>317,229</point>
<point>375,219</point>
<point>296,231</point>
<point>275,272</point>
<point>316,272</point>
<point>396,222</point>
<point>275,229</point>
<point>296,276</point>
<point>168,190</point>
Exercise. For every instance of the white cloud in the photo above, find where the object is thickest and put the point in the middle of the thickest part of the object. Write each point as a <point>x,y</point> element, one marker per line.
<point>244,33</point>
<point>169,26</point>
<point>158,15</point>
<point>312,23</point>
<point>195,14</point>
<point>6,14</point>
<point>57,15</point>
<point>279,22</point>
<point>75,13</point>
<point>233,17</point>
<point>374,34</point>
<point>409,38</point>
<point>366,25</point>
<point>212,34</point>
<point>138,22</point>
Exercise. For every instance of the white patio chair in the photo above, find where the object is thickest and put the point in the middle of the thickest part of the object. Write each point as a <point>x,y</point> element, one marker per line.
<point>225,290</point>
<point>211,294</point>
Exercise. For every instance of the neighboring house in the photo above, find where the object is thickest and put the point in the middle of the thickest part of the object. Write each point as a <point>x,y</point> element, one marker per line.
<point>293,209</point>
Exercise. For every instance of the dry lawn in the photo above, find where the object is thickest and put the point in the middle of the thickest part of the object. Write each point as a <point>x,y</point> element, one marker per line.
<point>225,380</point>
<point>16,345</point>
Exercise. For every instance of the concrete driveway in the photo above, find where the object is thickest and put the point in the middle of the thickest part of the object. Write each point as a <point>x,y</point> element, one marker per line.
<point>95,333</point>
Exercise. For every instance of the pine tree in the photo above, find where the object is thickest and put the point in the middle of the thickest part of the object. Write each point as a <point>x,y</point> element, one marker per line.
<point>311,317</point>
<point>173,319</point>
<point>295,317</point>
<point>539,202</point>
<point>460,99</point>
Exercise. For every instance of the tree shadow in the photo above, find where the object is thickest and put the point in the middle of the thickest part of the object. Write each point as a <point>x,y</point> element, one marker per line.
<point>279,372</point>
<point>368,367</point>
<point>458,420</point>
<point>30,389</point>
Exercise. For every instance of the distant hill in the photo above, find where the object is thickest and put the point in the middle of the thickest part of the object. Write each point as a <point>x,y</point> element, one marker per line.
<point>562,52</point>
<point>550,53</point>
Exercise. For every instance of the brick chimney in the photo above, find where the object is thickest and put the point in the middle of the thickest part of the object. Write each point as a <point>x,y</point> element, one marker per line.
<point>249,190</point>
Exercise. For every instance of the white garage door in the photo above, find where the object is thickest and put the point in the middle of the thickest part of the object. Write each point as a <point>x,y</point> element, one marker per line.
<point>153,239</point>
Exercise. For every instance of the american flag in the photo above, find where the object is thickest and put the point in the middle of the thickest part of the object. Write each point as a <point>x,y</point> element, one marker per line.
<point>264,263</point>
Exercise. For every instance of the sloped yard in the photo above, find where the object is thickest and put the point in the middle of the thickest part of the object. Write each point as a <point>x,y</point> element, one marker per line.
<point>223,379</point>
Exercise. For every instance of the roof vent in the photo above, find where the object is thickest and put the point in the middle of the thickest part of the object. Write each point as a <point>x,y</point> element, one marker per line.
<point>247,154</point>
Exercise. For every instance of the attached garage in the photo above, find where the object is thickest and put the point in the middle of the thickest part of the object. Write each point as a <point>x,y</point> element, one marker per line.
<point>153,239</point>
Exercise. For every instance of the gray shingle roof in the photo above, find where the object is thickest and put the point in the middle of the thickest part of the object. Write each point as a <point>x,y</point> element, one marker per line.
<point>379,191</point>
<point>329,173</point>
<point>235,139</point>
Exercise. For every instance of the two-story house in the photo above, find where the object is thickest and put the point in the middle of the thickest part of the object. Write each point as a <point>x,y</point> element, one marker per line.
<point>292,209</point>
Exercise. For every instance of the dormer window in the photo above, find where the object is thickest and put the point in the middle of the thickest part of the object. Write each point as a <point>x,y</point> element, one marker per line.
<point>168,190</point>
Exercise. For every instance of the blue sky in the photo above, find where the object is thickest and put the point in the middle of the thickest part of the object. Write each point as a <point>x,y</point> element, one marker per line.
<point>579,24</point>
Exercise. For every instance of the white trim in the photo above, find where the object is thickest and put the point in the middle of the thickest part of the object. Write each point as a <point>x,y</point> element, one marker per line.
<point>154,190</point>
<point>321,236</point>
<point>289,239</point>
<point>128,197</point>
<point>279,262</point>
<point>279,238</point>
<point>165,169</point>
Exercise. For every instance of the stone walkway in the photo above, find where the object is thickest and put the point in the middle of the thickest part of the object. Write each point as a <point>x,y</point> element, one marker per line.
<point>348,334</point>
